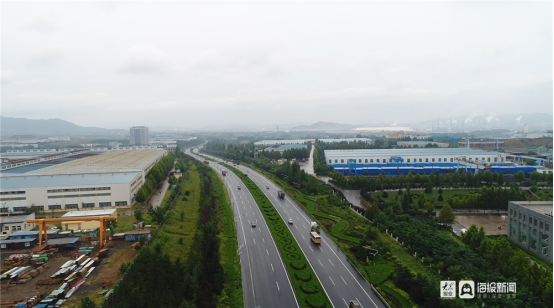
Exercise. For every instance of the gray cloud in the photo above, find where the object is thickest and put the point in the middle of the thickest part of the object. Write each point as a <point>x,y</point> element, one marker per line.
<point>247,62</point>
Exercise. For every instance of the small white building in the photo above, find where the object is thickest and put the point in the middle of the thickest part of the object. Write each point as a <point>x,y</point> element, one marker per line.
<point>16,222</point>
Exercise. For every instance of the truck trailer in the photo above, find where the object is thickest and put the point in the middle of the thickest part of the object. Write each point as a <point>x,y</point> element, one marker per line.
<point>281,194</point>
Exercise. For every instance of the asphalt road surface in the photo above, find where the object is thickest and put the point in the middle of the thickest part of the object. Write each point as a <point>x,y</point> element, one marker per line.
<point>340,280</point>
<point>265,281</point>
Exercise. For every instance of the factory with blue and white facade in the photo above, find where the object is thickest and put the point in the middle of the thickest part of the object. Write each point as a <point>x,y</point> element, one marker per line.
<point>425,160</point>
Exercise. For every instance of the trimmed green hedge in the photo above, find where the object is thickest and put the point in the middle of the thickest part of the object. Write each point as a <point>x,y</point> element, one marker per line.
<point>288,247</point>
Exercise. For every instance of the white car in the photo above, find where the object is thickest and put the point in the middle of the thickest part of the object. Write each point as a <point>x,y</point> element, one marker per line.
<point>55,229</point>
<point>267,186</point>
<point>290,221</point>
<point>77,231</point>
<point>88,230</point>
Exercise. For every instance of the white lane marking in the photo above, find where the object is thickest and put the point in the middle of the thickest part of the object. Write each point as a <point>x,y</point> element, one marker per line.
<point>272,267</point>
<point>263,239</point>
<point>303,236</point>
<point>254,241</point>
<point>320,262</point>
<point>295,226</point>
<point>344,280</point>
<point>277,286</point>
<point>267,252</point>
<point>332,280</point>
<point>359,302</point>
<point>345,301</point>
<point>311,248</point>
<point>331,263</point>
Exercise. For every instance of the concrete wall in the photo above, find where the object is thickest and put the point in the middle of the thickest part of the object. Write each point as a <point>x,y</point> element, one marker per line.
<point>534,236</point>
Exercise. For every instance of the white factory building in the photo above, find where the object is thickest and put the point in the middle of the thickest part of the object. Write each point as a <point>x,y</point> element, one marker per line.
<point>383,156</point>
<point>108,179</point>
<point>68,192</point>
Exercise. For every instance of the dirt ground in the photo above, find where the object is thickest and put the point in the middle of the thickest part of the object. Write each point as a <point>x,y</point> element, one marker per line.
<point>489,222</point>
<point>107,270</point>
<point>25,291</point>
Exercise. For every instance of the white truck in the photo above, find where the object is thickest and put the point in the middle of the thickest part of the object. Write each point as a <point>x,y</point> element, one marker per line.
<point>314,227</point>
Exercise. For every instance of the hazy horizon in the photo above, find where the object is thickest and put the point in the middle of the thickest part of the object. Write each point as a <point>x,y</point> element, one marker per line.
<point>199,64</point>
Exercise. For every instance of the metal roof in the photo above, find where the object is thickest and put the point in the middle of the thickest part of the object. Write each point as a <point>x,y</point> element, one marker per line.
<point>63,240</point>
<point>9,182</point>
<point>24,233</point>
<point>136,232</point>
<point>131,160</point>
<point>407,152</point>
<point>286,147</point>
<point>72,214</point>
<point>23,240</point>
<point>272,142</point>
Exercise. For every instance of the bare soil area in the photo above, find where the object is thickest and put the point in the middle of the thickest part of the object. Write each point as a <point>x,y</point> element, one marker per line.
<point>107,271</point>
<point>489,222</point>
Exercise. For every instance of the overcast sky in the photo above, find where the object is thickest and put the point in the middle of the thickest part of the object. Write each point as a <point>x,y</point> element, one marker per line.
<point>195,64</point>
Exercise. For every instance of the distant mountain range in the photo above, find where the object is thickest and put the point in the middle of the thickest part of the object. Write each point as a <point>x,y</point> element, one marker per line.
<point>20,126</point>
<point>534,121</point>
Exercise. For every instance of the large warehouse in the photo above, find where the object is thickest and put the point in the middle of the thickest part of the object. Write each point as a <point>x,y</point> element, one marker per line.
<point>108,179</point>
<point>393,161</point>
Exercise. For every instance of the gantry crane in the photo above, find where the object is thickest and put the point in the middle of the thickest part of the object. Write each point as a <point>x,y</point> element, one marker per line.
<point>42,226</point>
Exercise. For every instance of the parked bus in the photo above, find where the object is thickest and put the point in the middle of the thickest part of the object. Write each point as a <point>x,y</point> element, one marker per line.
<point>315,238</point>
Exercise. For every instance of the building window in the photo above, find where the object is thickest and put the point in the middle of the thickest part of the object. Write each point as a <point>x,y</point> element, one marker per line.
<point>38,207</point>
<point>546,226</point>
<point>451,160</point>
<point>88,205</point>
<point>55,207</point>
<point>366,160</point>
<point>71,206</point>
<point>105,204</point>
<point>13,229</point>
<point>27,244</point>
<point>2,245</point>
<point>120,203</point>
<point>20,209</point>
<point>18,228</point>
<point>535,222</point>
<point>489,159</point>
<point>427,160</point>
<point>342,160</point>
<point>336,160</point>
<point>4,210</point>
<point>420,160</point>
<point>330,161</point>
<point>439,159</point>
<point>359,160</point>
<point>408,160</point>
<point>432,159</point>
<point>530,220</point>
<point>7,228</point>
<point>378,160</point>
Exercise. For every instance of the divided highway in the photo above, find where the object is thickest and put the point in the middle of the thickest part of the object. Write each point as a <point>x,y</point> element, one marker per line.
<point>265,281</point>
<point>341,281</point>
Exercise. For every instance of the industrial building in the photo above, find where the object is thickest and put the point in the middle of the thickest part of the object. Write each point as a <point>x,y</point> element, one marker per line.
<point>16,222</point>
<point>347,140</point>
<point>285,147</point>
<point>421,144</point>
<point>138,135</point>
<point>530,226</point>
<point>85,224</point>
<point>108,179</point>
<point>274,142</point>
<point>375,161</point>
